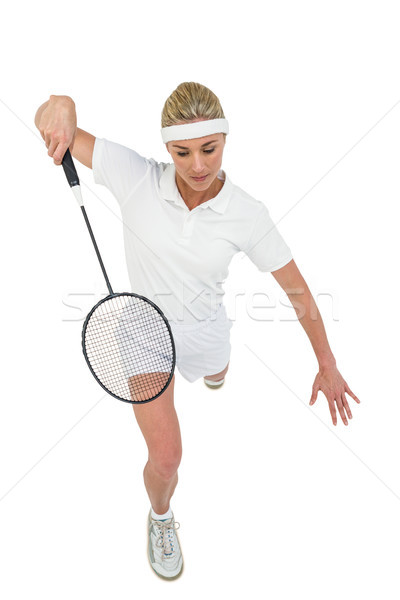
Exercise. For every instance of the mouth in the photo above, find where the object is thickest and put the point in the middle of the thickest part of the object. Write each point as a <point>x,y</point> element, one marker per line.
<point>199,179</point>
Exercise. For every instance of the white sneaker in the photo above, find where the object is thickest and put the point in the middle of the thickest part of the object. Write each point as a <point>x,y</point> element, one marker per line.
<point>214,385</point>
<point>163,549</point>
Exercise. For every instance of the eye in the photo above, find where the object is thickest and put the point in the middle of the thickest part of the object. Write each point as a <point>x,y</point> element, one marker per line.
<point>182,153</point>
<point>209,151</point>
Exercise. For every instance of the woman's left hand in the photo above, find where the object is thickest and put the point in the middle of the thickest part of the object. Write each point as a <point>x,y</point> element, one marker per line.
<point>332,384</point>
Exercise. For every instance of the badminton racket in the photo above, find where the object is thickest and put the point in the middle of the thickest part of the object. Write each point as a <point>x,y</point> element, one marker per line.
<point>126,339</point>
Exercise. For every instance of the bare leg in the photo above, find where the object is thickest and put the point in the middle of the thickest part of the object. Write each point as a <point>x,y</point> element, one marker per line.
<point>218,376</point>
<point>160,490</point>
<point>159,424</point>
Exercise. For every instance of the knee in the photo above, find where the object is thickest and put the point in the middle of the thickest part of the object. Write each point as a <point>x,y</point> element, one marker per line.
<point>166,460</point>
<point>220,375</point>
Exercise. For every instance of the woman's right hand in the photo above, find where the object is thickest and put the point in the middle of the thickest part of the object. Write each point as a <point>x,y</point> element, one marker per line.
<point>56,121</point>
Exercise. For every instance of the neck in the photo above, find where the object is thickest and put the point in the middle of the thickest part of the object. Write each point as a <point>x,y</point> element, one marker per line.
<point>193,198</point>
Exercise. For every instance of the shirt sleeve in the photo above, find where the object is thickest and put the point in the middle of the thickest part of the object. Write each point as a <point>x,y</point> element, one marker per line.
<point>118,168</point>
<point>266,248</point>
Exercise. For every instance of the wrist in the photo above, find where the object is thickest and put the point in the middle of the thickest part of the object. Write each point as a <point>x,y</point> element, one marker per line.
<point>326,361</point>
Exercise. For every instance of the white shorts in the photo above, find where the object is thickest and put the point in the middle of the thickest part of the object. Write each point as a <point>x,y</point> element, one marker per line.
<point>202,348</point>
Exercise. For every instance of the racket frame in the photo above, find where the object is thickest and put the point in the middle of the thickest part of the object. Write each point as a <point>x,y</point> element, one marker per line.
<point>109,297</point>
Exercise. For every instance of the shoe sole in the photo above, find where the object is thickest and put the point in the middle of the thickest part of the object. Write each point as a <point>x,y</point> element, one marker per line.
<point>214,387</point>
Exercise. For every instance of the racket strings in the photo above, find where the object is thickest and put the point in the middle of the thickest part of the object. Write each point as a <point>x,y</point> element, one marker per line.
<point>129,347</point>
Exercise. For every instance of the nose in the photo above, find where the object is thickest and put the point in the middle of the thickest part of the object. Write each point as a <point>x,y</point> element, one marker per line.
<point>197,163</point>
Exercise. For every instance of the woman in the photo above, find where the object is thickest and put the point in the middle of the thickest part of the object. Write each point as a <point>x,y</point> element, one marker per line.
<point>183,222</point>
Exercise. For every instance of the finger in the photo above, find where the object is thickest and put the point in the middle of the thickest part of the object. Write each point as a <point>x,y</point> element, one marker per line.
<point>346,406</point>
<point>60,151</point>
<point>52,146</point>
<point>341,410</point>
<point>46,135</point>
<point>348,391</point>
<point>41,131</point>
<point>333,412</point>
<point>314,395</point>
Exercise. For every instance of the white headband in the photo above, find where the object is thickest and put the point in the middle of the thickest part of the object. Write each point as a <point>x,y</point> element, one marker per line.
<point>190,131</point>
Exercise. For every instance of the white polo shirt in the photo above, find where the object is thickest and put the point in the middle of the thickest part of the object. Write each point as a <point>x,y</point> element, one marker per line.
<point>177,257</point>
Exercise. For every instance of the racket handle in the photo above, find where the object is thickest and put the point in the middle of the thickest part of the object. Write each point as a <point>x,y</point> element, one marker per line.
<point>69,169</point>
<point>72,176</point>
<point>73,180</point>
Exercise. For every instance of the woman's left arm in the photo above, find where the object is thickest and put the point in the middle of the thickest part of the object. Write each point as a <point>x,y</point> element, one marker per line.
<point>328,379</point>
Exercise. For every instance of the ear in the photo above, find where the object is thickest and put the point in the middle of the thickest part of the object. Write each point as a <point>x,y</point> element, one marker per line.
<point>166,145</point>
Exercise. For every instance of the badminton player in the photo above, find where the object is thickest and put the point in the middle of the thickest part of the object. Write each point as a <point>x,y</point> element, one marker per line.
<point>183,222</point>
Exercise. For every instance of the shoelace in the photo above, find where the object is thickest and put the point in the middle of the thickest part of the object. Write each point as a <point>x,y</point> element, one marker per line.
<point>165,537</point>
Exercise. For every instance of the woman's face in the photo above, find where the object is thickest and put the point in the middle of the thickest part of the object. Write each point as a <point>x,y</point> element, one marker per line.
<point>198,161</point>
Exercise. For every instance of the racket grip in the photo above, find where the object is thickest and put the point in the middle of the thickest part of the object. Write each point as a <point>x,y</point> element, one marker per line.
<point>72,176</point>
<point>69,169</point>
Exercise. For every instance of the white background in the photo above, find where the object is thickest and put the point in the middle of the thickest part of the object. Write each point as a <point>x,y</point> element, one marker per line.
<point>273,500</point>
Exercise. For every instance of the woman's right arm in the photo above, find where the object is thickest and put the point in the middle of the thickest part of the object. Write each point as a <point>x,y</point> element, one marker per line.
<point>56,121</point>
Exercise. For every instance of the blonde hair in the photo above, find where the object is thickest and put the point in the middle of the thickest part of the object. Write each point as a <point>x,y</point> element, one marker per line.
<point>190,101</point>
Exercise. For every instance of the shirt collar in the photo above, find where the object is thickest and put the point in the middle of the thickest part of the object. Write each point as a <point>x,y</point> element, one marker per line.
<point>169,191</point>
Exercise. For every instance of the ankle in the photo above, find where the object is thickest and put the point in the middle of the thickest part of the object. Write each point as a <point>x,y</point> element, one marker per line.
<point>161,516</point>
